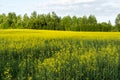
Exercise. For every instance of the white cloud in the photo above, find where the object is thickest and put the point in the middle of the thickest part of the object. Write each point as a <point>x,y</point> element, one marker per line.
<point>66,2</point>
<point>112,4</point>
<point>72,1</point>
<point>98,8</point>
<point>63,4</point>
<point>86,6</point>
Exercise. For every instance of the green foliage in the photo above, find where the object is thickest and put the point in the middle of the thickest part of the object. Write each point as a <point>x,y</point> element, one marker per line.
<point>25,21</point>
<point>117,22</point>
<point>66,23</point>
<point>105,26</point>
<point>51,21</point>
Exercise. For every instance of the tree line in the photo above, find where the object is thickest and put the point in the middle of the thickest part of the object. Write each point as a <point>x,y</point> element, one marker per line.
<point>52,21</point>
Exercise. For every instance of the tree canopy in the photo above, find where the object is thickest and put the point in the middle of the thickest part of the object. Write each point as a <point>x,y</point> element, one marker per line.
<point>52,21</point>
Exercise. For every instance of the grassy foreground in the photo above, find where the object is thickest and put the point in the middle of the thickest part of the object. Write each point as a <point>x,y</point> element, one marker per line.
<point>59,55</point>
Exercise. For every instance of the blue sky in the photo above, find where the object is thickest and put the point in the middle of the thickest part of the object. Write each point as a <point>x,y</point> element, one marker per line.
<point>104,10</point>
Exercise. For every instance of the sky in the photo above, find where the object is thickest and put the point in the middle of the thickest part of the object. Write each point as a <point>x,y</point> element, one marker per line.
<point>104,10</point>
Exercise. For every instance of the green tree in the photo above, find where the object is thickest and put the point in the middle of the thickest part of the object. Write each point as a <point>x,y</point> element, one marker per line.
<point>109,25</point>
<point>92,23</point>
<point>117,22</point>
<point>74,24</point>
<point>26,21</point>
<point>33,19</point>
<point>92,19</point>
<point>19,23</point>
<point>2,20</point>
<point>66,23</point>
<point>11,20</point>
<point>55,20</point>
<point>79,28</point>
<point>48,21</point>
<point>104,27</point>
<point>84,23</point>
<point>41,22</point>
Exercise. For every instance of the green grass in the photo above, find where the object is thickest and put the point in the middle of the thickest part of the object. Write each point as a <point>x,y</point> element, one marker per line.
<point>59,55</point>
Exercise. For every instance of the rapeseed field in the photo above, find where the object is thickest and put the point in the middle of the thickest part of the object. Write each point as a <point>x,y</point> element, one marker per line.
<point>59,55</point>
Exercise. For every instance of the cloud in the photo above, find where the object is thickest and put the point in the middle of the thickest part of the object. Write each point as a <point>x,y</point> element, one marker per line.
<point>63,2</point>
<point>1,5</point>
<point>112,4</point>
<point>64,5</point>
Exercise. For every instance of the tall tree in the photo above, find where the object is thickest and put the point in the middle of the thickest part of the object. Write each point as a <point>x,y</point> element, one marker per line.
<point>84,23</point>
<point>92,19</point>
<point>26,21</point>
<point>41,23</point>
<point>11,20</point>
<point>109,25</point>
<point>33,18</point>
<point>79,28</point>
<point>48,21</point>
<point>19,23</point>
<point>66,23</point>
<point>92,23</point>
<point>2,20</point>
<point>104,26</point>
<point>74,23</point>
<point>117,22</point>
<point>55,20</point>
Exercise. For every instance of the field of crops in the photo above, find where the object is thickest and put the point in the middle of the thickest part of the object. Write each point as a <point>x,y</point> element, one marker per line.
<point>59,55</point>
